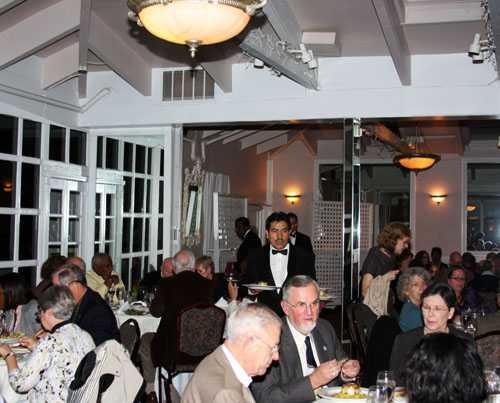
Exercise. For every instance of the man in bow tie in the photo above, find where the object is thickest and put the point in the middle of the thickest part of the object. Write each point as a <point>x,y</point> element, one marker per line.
<point>277,261</point>
<point>311,355</point>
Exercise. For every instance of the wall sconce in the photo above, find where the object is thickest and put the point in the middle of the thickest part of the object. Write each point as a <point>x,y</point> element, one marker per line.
<point>438,198</point>
<point>293,198</point>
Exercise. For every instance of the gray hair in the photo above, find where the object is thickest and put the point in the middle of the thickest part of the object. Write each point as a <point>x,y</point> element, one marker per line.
<point>81,263</point>
<point>407,275</point>
<point>68,273</point>
<point>184,260</point>
<point>249,319</point>
<point>60,300</point>
<point>299,281</point>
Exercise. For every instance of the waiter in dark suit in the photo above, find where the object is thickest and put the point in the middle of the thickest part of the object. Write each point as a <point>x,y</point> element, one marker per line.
<point>250,241</point>
<point>277,261</point>
<point>298,238</point>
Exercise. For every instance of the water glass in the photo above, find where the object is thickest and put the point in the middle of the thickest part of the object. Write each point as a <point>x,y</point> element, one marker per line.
<point>386,380</point>
<point>377,394</point>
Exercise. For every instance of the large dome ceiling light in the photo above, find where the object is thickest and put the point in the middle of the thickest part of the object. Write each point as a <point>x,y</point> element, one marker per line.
<point>194,22</point>
<point>418,160</point>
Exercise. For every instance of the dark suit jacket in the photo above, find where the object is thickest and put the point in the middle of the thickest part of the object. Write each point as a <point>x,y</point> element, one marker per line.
<point>303,241</point>
<point>250,241</point>
<point>284,381</point>
<point>174,294</point>
<point>95,316</point>
<point>259,269</point>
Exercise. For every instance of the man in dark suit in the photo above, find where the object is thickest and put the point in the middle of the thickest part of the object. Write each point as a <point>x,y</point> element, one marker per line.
<point>311,355</point>
<point>91,313</point>
<point>277,261</point>
<point>298,238</point>
<point>250,241</point>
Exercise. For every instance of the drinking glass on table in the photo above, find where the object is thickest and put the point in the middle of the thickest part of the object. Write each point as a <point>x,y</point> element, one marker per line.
<point>377,394</point>
<point>386,380</point>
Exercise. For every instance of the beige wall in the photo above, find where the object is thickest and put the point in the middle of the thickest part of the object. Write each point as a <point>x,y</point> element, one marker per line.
<point>439,225</point>
<point>293,171</point>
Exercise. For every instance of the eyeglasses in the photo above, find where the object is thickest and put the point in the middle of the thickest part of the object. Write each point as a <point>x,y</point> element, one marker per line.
<point>302,306</point>
<point>457,278</point>
<point>274,349</point>
<point>437,309</point>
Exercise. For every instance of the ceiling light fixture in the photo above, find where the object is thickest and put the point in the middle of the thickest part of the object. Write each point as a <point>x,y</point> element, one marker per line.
<point>417,160</point>
<point>193,22</point>
<point>471,207</point>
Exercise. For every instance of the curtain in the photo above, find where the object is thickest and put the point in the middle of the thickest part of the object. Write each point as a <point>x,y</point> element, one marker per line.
<point>213,183</point>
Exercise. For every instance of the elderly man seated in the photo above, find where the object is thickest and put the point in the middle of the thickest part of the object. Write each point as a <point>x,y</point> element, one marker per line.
<point>311,356</point>
<point>102,277</point>
<point>251,345</point>
<point>91,313</point>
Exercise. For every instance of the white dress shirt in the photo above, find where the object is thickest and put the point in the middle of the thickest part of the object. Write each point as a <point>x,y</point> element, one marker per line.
<point>239,372</point>
<point>300,342</point>
<point>293,238</point>
<point>279,265</point>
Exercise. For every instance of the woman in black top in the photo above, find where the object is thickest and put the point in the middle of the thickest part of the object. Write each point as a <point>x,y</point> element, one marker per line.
<point>380,260</point>
<point>438,307</point>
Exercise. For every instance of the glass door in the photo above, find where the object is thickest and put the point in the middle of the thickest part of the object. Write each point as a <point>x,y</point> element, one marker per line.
<point>105,219</point>
<point>65,217</point>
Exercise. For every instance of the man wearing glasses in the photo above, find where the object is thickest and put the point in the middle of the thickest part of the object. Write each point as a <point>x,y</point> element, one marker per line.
<point>252,344</point>
<point>311,356</point>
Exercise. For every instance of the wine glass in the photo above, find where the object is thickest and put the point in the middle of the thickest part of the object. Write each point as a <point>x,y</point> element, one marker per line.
<point>386,380</point>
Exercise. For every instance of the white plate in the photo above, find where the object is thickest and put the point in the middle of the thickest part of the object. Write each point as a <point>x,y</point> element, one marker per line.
<point>329,393</point>
<point>258,287</point>
<point>9,340</point>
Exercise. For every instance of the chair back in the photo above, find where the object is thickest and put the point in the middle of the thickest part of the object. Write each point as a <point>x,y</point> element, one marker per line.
<point>488,347</point>
<point>130,335</point>
<point>199,332</point>
<point>360,320</point>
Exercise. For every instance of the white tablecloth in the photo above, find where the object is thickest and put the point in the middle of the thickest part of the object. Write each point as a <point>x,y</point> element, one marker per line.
<point>147,323</point>
<point>6,391</point>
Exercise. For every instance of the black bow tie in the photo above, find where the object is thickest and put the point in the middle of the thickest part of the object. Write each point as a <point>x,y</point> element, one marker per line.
<point>282,251</point>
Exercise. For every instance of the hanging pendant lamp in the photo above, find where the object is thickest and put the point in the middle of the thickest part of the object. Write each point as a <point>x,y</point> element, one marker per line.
<point>418,159</point>
<point>193,22</point>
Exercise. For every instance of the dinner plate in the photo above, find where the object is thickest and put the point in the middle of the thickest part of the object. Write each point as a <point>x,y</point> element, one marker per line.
<point>258,287</point>
<point>9,340</point>
<point>329,393</point>
<point>20,350</point>
<point>135,312</point>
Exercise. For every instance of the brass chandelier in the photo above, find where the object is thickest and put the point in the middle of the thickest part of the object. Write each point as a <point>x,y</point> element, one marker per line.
<point>193,22</point>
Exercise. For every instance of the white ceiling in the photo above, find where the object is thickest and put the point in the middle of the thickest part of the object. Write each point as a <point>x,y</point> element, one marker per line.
<point>425,27</point>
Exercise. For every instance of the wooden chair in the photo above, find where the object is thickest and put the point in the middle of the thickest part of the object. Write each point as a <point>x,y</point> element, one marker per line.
<point>199,332</point>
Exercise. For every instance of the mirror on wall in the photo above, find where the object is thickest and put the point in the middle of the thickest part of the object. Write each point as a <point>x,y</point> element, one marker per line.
<point>192,205</point>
